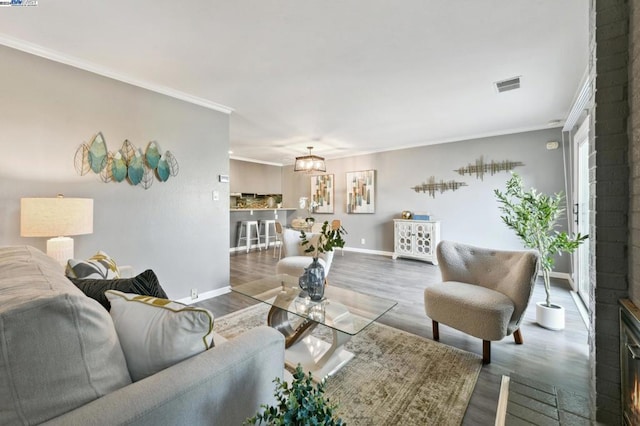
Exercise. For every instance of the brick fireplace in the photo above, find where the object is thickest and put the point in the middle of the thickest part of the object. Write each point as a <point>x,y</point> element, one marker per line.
<point>630,362</point>
<point>615,191</point>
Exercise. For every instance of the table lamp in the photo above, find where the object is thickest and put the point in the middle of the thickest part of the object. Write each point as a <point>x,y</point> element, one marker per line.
<point>56,217</point>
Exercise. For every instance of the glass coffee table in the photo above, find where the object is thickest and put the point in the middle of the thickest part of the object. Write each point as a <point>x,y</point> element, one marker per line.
<point>345,312</point>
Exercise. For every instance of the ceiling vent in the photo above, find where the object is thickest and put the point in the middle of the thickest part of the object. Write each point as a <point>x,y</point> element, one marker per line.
<point>509,84</point>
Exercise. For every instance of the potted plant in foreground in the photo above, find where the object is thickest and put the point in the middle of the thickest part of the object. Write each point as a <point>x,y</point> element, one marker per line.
<point>329,237</point>
<point>533,216</point>
<point>300,404</point>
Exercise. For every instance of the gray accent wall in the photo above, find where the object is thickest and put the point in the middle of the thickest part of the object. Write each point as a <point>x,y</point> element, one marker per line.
<point>469,214</point>
<point>175,227</point>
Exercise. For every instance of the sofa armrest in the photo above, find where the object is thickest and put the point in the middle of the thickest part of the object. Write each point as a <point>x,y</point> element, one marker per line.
<point>221,386</point>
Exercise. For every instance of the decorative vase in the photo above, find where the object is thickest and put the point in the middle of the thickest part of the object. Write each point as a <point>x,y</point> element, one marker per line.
<point>312,280</point>
<point>551,317</point>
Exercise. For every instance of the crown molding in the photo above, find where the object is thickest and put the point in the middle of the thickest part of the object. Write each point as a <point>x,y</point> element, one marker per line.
<point>253,160</point>
<point>55,56</point>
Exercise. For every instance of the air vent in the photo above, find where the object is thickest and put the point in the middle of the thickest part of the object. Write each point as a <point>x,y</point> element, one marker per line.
<point>509,84</point>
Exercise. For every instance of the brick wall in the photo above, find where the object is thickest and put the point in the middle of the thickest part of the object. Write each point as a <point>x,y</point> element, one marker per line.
<point>611,225</point>
<point>634,152</point>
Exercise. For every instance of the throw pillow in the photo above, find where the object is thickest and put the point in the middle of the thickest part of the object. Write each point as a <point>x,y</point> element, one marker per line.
<point>100,266</point>
<point>145,284</point>
<point>157,333</point>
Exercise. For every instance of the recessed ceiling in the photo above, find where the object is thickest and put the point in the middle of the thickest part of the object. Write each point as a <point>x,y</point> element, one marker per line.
<point>351,77</point>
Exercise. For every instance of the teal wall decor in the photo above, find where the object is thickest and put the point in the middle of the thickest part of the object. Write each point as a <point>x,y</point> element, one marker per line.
<point>129,163</point>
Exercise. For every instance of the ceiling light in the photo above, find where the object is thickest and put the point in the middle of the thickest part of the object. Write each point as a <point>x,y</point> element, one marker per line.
<point>310,163</point>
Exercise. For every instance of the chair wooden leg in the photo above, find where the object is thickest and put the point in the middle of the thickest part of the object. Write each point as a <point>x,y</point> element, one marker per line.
<point>436,331</point>
<point>486,352</point>
<point>517,336</point>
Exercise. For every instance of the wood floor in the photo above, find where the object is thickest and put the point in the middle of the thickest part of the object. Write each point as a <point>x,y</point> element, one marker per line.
<point>560,358</point>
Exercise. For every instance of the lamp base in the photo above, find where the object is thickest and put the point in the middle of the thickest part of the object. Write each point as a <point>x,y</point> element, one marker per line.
<point>60,248</point>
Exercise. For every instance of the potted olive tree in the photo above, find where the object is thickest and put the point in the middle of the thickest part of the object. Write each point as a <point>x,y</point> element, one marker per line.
<point>534,216</point>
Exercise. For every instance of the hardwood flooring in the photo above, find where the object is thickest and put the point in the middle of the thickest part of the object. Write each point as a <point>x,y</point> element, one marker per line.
<point>560,358</point>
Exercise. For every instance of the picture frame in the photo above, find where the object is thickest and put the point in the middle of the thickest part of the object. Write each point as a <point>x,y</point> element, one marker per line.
<point>322,199</point>
<point>361,191</point>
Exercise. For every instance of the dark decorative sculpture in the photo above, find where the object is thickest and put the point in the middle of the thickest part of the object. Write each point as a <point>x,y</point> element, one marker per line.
<point>431,186</point>
<point>480,167</point>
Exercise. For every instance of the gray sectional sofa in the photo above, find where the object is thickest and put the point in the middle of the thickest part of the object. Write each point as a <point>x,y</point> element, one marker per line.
<point>61,362</point>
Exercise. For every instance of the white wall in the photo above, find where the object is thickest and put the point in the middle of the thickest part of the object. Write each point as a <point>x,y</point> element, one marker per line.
<point>469,214</point>
<point>174,228</point>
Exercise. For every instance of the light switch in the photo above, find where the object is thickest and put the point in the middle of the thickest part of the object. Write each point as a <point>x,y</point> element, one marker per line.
<point>216,196</point>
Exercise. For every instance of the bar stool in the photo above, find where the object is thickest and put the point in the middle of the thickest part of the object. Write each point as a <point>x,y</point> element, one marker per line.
<point>248,225</point>
<point>263,229</point>
<point>278,241</point>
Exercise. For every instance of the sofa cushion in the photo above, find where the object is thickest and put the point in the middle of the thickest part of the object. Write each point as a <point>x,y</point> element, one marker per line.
<point>58,348</point>
<point>146,284</point>
<point>99,266</point>
<point>157,333</point>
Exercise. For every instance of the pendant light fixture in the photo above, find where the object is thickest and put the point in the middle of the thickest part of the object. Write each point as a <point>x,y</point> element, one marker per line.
<point>310,163</point>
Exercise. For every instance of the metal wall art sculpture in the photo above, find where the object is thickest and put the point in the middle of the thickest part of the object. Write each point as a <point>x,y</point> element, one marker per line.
<point>128,163</point>
<point>431,186</point>
<point>480,168</point>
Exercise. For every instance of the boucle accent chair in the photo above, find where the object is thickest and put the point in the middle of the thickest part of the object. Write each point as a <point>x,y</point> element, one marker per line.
<point>484,292</point>
<point>295,259</point>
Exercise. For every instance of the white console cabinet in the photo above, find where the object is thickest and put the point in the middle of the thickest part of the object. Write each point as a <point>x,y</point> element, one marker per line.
<point>417,239</point>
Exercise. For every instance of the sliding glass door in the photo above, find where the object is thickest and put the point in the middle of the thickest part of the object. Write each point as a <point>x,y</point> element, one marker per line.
<point>581,143</point>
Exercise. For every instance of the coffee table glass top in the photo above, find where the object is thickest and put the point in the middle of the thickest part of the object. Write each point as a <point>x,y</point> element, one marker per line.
<point>341,309</point>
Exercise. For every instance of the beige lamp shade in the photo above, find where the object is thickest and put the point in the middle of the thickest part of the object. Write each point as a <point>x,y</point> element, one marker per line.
<point>56,217</point>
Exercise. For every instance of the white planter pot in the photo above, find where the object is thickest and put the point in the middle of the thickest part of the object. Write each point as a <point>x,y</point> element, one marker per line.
<point>551,317</point>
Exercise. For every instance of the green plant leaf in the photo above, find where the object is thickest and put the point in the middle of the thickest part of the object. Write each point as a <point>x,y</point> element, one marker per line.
<point>300,403</point>
<point>533,216</point>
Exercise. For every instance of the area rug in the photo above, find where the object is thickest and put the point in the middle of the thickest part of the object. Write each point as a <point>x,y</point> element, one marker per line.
<point>395,377</point>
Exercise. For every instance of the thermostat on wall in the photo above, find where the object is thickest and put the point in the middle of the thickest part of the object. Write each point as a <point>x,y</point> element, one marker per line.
<point>223,178</point>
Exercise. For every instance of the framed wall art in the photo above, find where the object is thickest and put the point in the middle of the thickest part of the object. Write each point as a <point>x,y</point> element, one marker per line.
<point>361,191</point>
<point>322,194</point>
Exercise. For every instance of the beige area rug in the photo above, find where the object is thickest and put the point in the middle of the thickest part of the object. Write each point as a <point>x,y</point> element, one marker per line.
<point>395,378</point>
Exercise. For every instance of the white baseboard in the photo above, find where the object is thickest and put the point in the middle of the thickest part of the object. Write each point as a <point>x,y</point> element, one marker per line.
<point>561,275</point>
<point>206,295</point>
<point>253,247</point>
<point>368,251</point>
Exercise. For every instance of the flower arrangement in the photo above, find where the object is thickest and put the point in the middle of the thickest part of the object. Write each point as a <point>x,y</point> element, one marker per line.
<point>329,238</point>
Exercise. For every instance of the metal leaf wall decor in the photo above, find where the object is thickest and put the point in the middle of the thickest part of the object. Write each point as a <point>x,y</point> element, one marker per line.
<point>480,167</point>
<point>129,163</point>
<point>431,186</point>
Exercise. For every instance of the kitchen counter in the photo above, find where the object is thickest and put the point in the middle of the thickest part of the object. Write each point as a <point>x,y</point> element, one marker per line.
<point>283,215</point>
